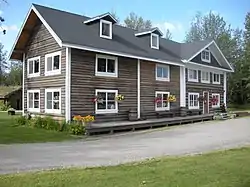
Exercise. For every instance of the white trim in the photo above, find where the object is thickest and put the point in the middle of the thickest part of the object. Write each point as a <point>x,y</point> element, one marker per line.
<point>68,85</point>
<point>182,87</point>
<point>148,32</point>
<point>157,40</point>
<point>53,111</point>
<point>218,104</point>
<point>205,81</point>
<point>192,79</point>
<point>162,78</point>
<point>106,111</point>
<point>193,107</point>
<point>28,68</point>
<point>216,82</point>
<point>110,29</point>
<point>58,40</point>
<point>207,66</point>
<point>207,101</point>
<point>138,89</point>
<point>106,74</point>
<point>162,108</point>
<point>33,109</point>
<point>121,54</point>
<point>100,17</point>
<point>53,72</point>
<point>209,55</point>
<point>225,89</point>
<point>23,81</point>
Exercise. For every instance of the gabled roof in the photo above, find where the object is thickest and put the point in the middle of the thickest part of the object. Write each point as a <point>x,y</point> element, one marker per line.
<point>106,16</point>
<point>155,30</point>
<point>5,91</point>
<point>72,32</point>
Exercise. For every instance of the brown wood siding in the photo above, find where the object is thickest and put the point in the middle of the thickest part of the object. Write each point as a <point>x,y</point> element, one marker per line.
<point>149,85</point>
<point>84,83</point>
<point>41,43</point>
<point>198,87</point>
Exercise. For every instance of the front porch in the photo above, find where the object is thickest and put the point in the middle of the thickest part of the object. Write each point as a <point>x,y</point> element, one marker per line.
<point>112,127</point>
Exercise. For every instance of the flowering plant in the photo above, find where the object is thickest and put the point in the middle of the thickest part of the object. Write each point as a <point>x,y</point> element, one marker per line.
<point>84,119</point>
<point>171,98</point>
<point>158,99</point>
<point>120,97</point>
<point>98,99</point>
<point>214,100</point>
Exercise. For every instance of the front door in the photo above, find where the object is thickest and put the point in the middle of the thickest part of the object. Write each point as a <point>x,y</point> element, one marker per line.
<point>205,103</point>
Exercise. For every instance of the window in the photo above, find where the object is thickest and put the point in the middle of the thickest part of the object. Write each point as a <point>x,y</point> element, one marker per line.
<point>53,101</point>
<point>106,29</point>
<point>154,41</point>
<point>205,77</point>
<point>106,102</point>
<point>205,55</point>
<point>215,100</point>
<point>162,101</point>
<point>192,75</point>
<point>106,66</point>
<point>162,72</point>
<point>33,67</point>
<point>53,63</point>
<point>193,102</point>
<point>216,78</point>
<point>33,100</point>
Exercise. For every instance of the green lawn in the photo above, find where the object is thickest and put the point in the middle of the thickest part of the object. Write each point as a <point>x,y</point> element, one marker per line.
<point>11,133</point>
<point>221,169</point>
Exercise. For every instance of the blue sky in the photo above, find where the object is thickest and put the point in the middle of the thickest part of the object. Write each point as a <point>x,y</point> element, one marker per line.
<point>175,15</point>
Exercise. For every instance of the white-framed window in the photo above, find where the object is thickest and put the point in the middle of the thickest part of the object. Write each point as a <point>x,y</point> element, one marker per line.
<point>105,29</point>
<point>193,101</point>
<point>53,100</point>
<point>216,78</point>
<point>215,100</point>
<point>206,55</point>
<point>53,63</point>
<point>205,77</point>
<point>106,66</point>
<point>162,72</point>
<point>162,101</point>
<point>33,67</point>
<point>154,41</point>
<point>192,75</point>
<point>33,100</point>
<point>106,102</point>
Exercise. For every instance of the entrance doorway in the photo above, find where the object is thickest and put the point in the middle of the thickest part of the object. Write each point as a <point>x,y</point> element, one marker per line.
<point>205,102</point>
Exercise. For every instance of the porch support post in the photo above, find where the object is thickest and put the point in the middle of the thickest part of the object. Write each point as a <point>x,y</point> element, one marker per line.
<point>138,89</point>
<point>182,87</point>
<point>23,86</point>
<point>225,88</point>
<point>68,85</point>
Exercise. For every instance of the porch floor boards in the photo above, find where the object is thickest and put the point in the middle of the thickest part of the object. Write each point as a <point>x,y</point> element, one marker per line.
<point>110,127</point>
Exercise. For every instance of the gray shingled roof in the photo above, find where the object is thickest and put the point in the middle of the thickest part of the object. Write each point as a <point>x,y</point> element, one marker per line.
<point>70,28</point>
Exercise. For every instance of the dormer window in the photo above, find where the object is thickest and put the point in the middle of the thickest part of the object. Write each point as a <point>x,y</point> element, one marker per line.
<point>154,41</point>
<point>205,55</point>
<point>105,29</point>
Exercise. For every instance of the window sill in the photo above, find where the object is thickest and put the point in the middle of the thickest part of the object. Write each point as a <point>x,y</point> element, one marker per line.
<point>162,79</point>
<point>154,47</point>
<point>101,74</point>
<point>106,111</point>
<point>216,82</point>
<point>194,108</point>
<point>193,80</point>
<point>35,110</point>
<point>51,73</point>
<point>215,106</point>
<point>162,109</point>
<point>106,37</point>
<point>53,111</point>
<point>206,82</point>
<point>204,60</point>
<point>33,75</point>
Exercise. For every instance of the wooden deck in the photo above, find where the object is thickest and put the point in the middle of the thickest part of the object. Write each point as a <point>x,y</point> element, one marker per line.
<point>111,127</point>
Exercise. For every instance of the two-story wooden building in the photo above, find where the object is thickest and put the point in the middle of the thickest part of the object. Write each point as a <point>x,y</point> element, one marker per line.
<point>75,65</point>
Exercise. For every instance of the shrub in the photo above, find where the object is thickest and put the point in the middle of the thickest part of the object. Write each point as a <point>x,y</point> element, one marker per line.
<point>51,124</point>
<point>4,106</point>
<point>64,126</point>
<point>38,122</point>
<point>77,129</point>
<point>21,120</point>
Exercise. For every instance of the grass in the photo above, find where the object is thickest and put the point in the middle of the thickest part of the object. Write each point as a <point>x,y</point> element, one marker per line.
<point>11,133</point>
<point>221,169</point>
<point>233,107</point>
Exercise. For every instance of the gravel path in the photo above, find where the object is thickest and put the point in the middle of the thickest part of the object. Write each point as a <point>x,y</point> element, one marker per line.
<point>188,139</point>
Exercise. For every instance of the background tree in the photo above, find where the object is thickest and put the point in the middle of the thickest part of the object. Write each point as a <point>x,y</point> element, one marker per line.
<point>168,34</point>
<point>136,22</point>
<point>113,13</point>
<point>3,63</point>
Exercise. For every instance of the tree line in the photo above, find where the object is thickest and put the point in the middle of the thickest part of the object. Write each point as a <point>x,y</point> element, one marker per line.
<point>233,42</point>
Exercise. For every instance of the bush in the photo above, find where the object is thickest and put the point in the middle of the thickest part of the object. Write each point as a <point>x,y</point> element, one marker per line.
<point>64,126</point>
<point>77,129</point>
<point>4,106</point>
<point>52,124</point>
<point>21,120</point>
<point>38,122</point>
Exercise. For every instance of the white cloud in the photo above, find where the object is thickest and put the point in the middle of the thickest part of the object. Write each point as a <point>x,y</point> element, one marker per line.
<point>1,12</point>
<point>10,27</point>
